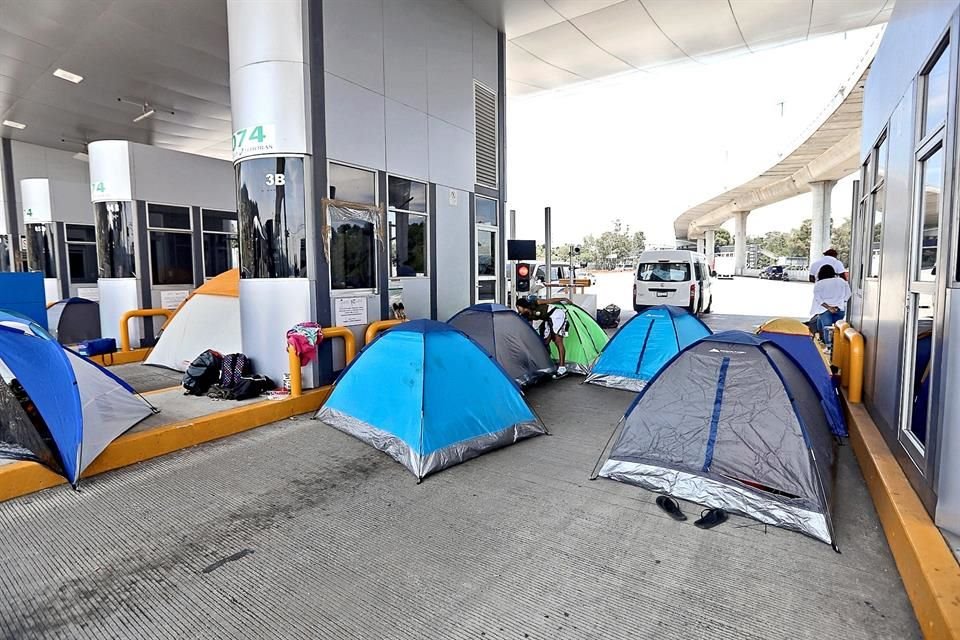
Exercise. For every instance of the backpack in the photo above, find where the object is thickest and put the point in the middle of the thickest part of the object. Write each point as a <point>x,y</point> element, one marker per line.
<point>202,372</point>
<point>251,387</point>
<point>234,366</point>
<point>609,316</point>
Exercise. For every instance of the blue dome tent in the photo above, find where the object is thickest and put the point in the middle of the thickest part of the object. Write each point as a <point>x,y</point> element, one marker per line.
<point>430,397</point>
<point>803,349</point>
<point>57,407</point>
<point>640,348</point>
<point>509,339</point>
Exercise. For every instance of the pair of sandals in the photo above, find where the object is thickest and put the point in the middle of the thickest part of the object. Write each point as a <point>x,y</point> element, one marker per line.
<point>398,312</point>
<point>709,518</point>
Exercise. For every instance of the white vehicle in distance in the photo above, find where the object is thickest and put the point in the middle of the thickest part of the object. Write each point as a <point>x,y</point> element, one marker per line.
<point>725,265</point>
<point>680,278</point>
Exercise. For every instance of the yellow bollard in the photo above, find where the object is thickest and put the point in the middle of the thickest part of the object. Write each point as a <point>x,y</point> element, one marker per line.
<point>854,361</point>
<point>376,327</point>
<point>296,373</point>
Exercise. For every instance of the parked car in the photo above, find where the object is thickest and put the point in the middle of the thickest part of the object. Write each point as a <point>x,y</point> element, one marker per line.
<point>680,278</point>
<point>775,272</point>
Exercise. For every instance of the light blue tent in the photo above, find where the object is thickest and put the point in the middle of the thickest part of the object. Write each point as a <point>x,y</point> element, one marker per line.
<point>430,397</point>
<point>57,407</point>
<point>643,345</point>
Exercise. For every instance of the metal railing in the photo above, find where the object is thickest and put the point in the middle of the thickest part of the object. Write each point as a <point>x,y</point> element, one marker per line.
<point>376,327</point>
<point>848,356</point>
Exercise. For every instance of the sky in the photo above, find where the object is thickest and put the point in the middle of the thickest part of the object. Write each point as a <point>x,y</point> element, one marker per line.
<point>645,146</point>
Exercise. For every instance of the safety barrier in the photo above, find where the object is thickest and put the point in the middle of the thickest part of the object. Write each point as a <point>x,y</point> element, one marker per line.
<point>376,327</point>
<point>138,313</point>
<point>848,355</point>
<point>296,371</point>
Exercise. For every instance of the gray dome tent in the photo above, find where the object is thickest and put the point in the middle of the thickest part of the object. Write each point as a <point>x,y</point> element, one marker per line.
<point>508,339</point>
<point>73,320</point>
<point>732,422</point>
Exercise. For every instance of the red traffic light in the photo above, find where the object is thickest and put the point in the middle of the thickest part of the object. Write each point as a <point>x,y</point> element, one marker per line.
<point>523,270</point>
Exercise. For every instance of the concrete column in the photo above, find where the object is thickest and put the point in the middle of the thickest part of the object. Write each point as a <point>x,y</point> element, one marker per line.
<point>820,227</point>
<point>740,242</point>
<point>273,46</point>
<point>710,239</point>
<point>700,245</point>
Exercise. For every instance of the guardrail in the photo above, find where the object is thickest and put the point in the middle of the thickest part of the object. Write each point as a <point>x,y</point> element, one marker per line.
<point>848,356</point>
<point>138,313</point>
<point>296,371</point>
<point>376,327</point>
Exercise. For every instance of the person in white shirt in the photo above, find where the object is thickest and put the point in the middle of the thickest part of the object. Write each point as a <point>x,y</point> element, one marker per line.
<point>830,296</point>
<point>829,257</point>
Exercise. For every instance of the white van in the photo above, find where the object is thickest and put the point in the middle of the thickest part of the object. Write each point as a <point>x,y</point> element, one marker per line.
<point>680,278</point>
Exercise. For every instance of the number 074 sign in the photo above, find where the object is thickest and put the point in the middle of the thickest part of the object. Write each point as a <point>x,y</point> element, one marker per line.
<point>254,140</point>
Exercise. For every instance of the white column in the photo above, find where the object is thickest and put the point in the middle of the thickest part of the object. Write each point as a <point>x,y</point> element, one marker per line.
<point>820,227</point>
<point>710,239</point>
<point>740,242</point>
<point>700,245</point>
<point>269,96</point>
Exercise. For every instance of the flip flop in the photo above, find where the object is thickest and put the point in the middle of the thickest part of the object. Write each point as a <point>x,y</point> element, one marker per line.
<point>709,518</point>
<point>671,507</point>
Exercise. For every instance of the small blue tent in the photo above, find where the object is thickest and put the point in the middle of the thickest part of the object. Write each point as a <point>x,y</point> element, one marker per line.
<point>804,351</point>
<point>640,348</point>
<point>430,397</point>
<point>57,407</point>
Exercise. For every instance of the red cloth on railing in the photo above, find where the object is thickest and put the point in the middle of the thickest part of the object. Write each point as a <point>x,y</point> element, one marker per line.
<point>305,337</point>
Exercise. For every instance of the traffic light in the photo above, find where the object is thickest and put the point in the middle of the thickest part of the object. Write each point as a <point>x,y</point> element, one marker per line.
<point>523,277</point>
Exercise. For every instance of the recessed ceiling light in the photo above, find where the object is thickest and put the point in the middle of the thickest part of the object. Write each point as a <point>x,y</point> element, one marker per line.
<point>14,124</point>
<point>69,77</point>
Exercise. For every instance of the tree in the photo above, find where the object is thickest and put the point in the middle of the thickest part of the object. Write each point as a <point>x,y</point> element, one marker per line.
<point>840,240</point>
<point>722,238</point>
<point>638,242</point>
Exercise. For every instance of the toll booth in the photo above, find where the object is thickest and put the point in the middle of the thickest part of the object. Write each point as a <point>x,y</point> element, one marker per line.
<point>165,222</point>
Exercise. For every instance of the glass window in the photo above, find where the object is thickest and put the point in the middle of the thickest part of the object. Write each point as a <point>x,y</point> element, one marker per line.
<point>931,181</point>
<point>219,221</point>
<point>486,253</point>
<point>5,262</point>
<point>935,84</point>
<point>221,252</point>
<point>81,233</point>
<point>352,254</point>
<point>115,244</point>
<point>876,237</point>
<point>664,272</point>
<point>408,195</point>
<point>82,261</point>
<point>171,257</point>
<point>880,162</point>
<point>81,242</point>
<point>352,185</point>
<point>922,330</point>
<point>408,244</point>
<point>162,216</point>
<point>272,218</point>
<point>486,289</point>
<point>40,254</point>
<point>486,211</point>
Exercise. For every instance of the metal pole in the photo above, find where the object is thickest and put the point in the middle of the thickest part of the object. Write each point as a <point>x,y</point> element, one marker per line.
<point>513,271</point>
<point>547,264</point>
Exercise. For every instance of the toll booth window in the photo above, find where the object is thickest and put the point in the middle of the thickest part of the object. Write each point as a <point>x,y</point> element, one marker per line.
<point>115,239</point>
<point>878,194</point>
<point>221,246</point>
<point>935,85</point>
<point>486,211</point>
<point>352,184</point>
<point>352,253</point>
<point>272,218</point>
<point>81,240</point>
<point>407,227</point>
<point>171,244</point>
